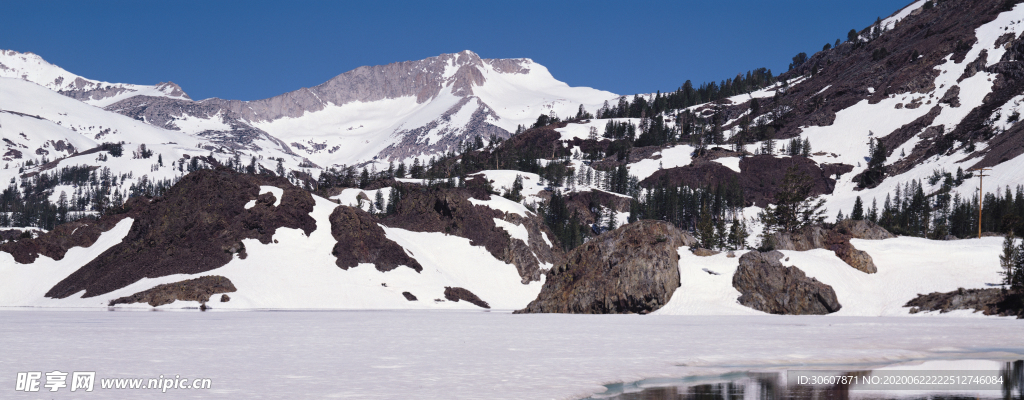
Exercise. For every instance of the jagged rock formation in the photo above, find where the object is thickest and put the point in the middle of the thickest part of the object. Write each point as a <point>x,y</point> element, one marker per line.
<point>199,289</point>
<point>992,301</point>
<point>361,240</point>
<point>766,285</point>
<point>56,243</point>
<point>836,239</point>
<point>196,227</point>
<point>760,176</point>
<point>633,269</point>
<point>423,209</point>
<point>456,293</point>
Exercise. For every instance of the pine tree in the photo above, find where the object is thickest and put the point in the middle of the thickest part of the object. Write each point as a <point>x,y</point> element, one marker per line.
<point>858,210</point>
<point>612,219</point>
<point>1008,260</point>
<point>873,213</point>
<point>706,228</point>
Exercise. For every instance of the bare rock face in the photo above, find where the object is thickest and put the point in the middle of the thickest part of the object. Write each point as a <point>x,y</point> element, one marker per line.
<point>196,227</point>
<point>836,239</point>
<point>863,229</point>
<point>450,211</point>
<point>456,293</point>
<point>199,289</point>
<point>361,240</point>
<point>766,285</point>
<point>56,243</point>
<point>633,269</point>
<point>991,301</point>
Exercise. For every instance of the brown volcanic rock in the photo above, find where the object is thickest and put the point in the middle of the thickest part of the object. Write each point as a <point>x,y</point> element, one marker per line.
<point>632,269</point>
<point>456,293</point>
<point>56,243</point>
<point>199,289</point>
<point>766,285</point>
<point>196,227</point>
<point>760,175</point>
<point>862,229</point>
<point>361,240</point>
<point>836,239</point>
<point>991,301</point>
<point>448,210</point>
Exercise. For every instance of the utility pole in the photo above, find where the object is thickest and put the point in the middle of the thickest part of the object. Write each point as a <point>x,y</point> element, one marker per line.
<point>981,193</point>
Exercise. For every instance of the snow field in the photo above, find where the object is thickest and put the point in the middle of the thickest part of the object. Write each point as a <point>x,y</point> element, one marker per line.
<point>907,266</point>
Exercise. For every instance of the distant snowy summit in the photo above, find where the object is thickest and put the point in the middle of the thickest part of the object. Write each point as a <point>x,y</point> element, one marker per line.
<point>31,67</point>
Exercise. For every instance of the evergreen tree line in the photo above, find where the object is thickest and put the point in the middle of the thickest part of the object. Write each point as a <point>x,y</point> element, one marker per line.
<point>687,96</point>
<point>910,211</point>
<point>703,211</point>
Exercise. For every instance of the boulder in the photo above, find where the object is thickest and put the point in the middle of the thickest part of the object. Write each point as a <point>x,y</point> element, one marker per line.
<point>632,269</point>
<point>199,289</point>
<point>862,229</point>
<point>990,301</point>
<point>456,293</point>
<point>766,285</point>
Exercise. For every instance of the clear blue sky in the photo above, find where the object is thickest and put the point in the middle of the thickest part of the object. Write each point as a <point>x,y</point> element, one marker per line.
<point>256,49</point>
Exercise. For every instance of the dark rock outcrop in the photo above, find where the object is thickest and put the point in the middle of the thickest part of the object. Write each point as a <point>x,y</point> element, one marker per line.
<point>760,176</point>
<point>456,293</point>
<point>361,240</point>
<point>197,226</point>
<point>766,285</point>
<point>633,269</point>
<point>56,243</point>
<point>449,210</point>
<point>199,289</point>
<point>409,296</point>
<point>862,229</point>
<point>992,301</point>
<point>836,239</point>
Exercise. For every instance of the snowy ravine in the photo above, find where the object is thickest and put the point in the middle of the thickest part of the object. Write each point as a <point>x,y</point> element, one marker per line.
<point>460,354</point>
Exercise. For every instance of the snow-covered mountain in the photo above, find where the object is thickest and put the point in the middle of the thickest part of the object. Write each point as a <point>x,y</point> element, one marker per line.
<point>33,68</point>
<point>389,112</point>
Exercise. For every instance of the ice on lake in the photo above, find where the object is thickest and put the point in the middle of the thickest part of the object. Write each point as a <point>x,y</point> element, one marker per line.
<point>461,354</point>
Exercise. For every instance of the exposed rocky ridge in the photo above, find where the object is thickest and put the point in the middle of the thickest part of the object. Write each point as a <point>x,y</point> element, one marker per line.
<point>424,79</point>
<point>456,293</point>
<point>423,209</point>
<point>417,141</point>
<point>992,301</point>
<point>56,243</point>
<point>196,227</point>
<point>766,285</point>
<point>836,239</point>
<point>760,175</point>
<point>31,67</point>
<point>840,77</point>
<point>164,112</point>
<point>361,240</point>
<point>199,289</point>
<point>632,269</point>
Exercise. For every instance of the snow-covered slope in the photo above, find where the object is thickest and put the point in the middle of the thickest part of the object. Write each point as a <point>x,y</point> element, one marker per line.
<point>31,67</point>
<point>907,266</point>
<point>296,271</point>
<point>391,112</point>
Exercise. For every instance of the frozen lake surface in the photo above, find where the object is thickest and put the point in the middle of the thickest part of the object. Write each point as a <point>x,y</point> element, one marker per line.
<point>460,354</point>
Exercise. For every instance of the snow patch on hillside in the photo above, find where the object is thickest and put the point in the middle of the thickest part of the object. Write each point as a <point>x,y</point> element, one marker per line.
<point>677,156</point>
<point>907,266</point>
